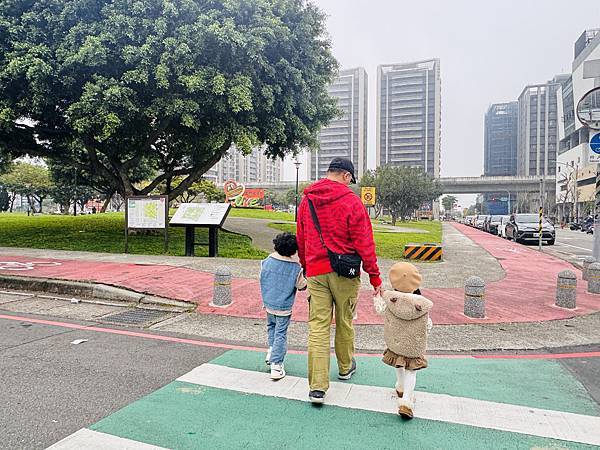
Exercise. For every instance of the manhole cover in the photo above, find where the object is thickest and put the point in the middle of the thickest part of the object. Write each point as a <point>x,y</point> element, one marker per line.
<point>144,317</point>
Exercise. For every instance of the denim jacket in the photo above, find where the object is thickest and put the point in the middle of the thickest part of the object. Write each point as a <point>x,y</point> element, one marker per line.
<point>280,277</point>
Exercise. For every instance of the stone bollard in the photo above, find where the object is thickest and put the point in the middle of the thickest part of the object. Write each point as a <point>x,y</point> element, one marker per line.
<point>222,287</point>
<point>586,264</point>
<point>475,298</point>
<point>566,289</point>
<point>593,278</point>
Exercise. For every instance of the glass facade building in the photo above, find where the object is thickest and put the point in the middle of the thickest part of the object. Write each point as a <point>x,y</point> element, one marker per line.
<point>500,139</point>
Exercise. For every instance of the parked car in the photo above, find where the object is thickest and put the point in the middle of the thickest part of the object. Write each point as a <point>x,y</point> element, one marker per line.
<point>492,224</point>
<point>525,228</point>
<point>480,221</point>
<point>502,227</point>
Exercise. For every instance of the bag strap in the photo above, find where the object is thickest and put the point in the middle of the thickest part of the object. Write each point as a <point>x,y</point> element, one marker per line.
<point>315,220</point>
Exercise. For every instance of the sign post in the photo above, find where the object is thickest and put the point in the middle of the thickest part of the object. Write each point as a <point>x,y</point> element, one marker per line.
<point>595,157</point>
<point>206,215</point>
<point>147,213</point>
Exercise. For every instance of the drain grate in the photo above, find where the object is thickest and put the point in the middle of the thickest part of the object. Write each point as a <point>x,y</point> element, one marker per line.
<point>143,317</point>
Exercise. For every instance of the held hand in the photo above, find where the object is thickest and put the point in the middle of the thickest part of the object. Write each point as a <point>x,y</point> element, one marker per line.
<point>377,291</point>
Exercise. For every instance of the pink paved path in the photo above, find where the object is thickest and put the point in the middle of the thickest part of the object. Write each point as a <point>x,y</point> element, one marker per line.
<point>526,294</point>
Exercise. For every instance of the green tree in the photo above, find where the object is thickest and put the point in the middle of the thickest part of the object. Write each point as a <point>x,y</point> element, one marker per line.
<point>402,190</point>
<point>448,202</point>
<point>207,189</point>
<point>28,180</point>
<point>171,85</point>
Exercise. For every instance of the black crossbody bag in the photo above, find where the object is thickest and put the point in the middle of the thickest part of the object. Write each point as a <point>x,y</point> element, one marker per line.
<point>346,265</point>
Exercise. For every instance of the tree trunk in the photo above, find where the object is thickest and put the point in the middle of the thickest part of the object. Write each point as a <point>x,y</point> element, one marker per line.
<point>106,203</point>
<point>394,219</point>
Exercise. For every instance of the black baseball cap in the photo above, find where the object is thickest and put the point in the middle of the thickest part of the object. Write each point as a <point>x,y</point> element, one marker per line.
<point>343,164</point>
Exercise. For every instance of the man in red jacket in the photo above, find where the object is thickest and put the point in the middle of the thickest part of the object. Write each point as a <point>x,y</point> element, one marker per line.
<point>346,229</point>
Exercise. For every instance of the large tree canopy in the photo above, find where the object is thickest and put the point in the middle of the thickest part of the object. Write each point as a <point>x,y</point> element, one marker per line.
<point>170,85</point>
<point>401,190</point>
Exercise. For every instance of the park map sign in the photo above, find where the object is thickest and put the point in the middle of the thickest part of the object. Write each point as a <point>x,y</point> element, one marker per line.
<point>201,214</point>
<point>147,213</point>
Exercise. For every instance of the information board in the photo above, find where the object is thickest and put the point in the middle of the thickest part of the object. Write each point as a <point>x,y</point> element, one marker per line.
<point>147,212</point>
<point>201,214</point>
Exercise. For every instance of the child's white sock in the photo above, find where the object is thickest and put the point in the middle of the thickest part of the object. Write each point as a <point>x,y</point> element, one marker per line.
<point>410,381</point>
<point>399,379</point>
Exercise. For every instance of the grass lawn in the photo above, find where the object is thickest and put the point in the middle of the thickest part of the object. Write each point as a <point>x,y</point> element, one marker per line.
<point>391,245</point>
<point>105,233</point>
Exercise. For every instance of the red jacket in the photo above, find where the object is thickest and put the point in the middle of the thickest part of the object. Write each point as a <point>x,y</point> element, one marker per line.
<point>345,225</point>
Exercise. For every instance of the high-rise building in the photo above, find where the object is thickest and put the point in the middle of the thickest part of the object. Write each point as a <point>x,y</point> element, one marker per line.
<point>409,115</point>
<point>345,136</point>
<point>538,128</point>
<point>252,168</point>
<point>583,41</point>
<point>576,176</point>
<point>500,139</point>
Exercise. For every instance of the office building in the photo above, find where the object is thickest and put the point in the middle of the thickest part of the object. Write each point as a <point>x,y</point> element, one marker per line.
<point>576,177</point>
<point>252,168</point>
<point>500,139</point>
<point>346,136</point>
<point>538,128</point>
<point>500,152</point>
<point>409,115</point>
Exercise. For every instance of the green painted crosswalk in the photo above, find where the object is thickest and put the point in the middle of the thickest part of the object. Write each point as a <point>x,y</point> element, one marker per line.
<point>190,415</point>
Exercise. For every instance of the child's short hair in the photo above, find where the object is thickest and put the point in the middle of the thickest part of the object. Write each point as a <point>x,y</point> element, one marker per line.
<point>285,244</point>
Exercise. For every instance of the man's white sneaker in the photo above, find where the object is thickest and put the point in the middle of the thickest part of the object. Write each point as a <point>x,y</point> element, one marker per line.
<point>277,372</point>
<point>268,356</point>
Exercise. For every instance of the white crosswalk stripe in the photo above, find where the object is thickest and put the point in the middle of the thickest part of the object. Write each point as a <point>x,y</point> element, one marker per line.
<point>445,408</point>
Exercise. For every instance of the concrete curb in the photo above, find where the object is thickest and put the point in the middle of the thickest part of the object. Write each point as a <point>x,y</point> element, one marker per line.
<point>88,290</point>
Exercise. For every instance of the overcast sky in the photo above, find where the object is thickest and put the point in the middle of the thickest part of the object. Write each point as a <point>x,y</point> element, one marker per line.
<point>489,51</point>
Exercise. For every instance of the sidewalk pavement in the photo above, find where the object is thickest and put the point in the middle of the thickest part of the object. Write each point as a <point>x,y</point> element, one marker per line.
<point>525,294</point>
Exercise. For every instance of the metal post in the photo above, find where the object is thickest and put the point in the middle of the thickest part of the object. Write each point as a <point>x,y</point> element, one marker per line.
<point>596,251</point>
<point>190,237</point>
<point>541,214</point>
<point>213,242</point>
<point>576,194</point>
<point>509,213</point>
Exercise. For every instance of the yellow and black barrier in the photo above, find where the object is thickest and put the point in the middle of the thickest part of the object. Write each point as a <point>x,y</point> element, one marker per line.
<point>423,252</point>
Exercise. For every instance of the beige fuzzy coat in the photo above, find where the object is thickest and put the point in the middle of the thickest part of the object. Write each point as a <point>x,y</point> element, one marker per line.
<point>405,329</point>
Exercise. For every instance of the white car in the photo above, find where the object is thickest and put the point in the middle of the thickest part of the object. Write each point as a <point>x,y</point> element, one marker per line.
<point>502,227</point>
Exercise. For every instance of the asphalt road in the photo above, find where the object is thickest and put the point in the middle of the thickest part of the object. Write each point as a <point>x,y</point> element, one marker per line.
<point>571,245</point>
<point>51,388</point>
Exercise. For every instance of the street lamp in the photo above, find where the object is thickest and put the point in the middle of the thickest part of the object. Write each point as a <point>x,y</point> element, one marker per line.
<point>297,164</point>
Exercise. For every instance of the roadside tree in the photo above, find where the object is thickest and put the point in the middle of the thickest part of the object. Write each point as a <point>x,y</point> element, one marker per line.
<point>113,86</point>
<point>448,202</point>
<point>28,180</point>
<point>402,190</point>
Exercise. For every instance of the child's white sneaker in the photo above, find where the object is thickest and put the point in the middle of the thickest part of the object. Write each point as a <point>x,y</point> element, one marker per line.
<point>268,356</point>
<point>277,371</point>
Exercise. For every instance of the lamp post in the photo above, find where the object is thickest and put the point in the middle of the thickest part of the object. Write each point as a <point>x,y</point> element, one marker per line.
<point>297,164</point>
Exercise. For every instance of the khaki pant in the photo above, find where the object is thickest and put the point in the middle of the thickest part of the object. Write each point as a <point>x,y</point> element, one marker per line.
<point>325,291</point>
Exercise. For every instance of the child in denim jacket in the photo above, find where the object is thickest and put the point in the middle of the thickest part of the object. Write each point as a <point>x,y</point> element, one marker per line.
<point>280,277</point>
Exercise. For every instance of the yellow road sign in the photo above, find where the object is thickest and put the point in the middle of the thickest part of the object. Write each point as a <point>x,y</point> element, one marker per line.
<point>367,195</point>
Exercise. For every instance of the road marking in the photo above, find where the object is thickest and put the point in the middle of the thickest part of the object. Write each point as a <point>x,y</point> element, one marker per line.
<point>439,407</point>
<point>20,266</point>
<point>94,440</point>
<point>160,337</point>
<point>574,246</point>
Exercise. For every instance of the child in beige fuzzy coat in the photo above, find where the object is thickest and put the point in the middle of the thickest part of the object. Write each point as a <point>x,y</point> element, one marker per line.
<point>406,327</point>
